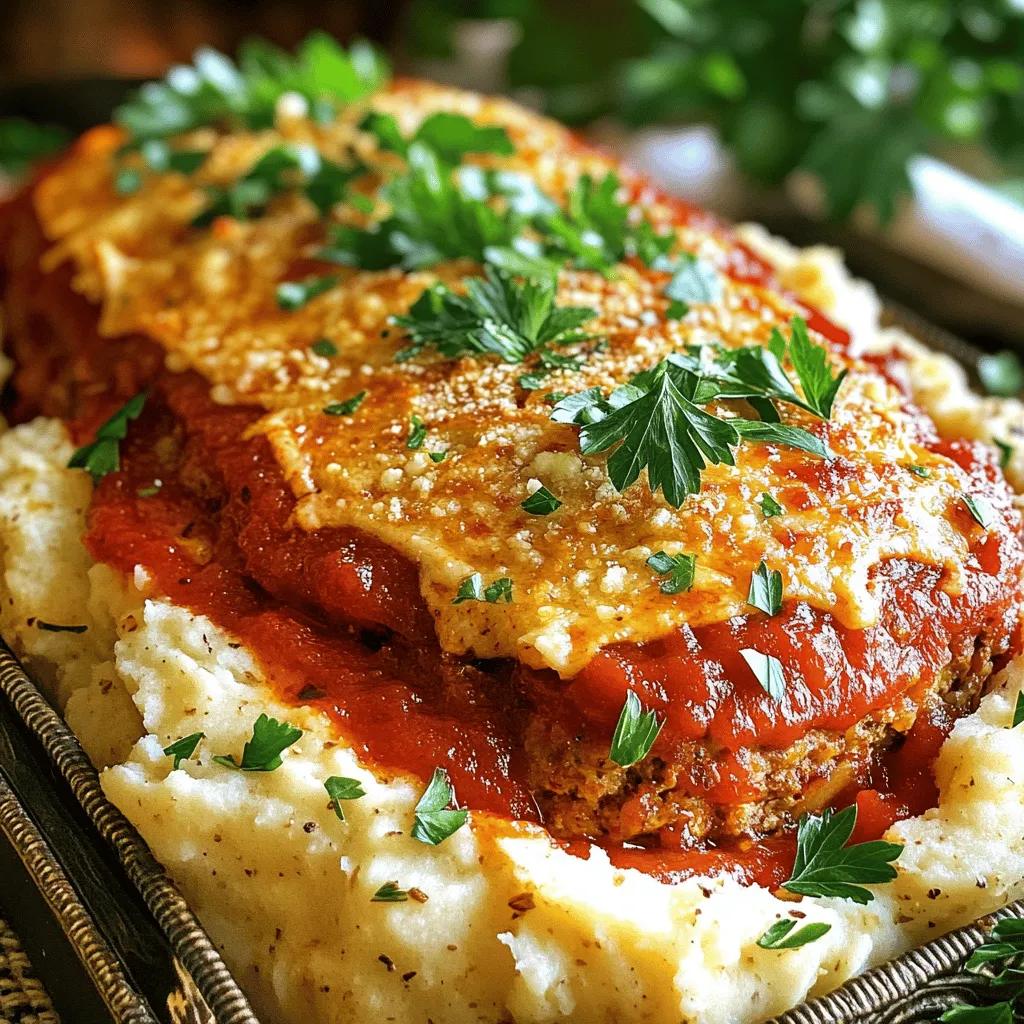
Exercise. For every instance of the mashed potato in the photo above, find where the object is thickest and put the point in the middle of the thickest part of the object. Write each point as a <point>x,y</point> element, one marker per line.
<point>503,925</point>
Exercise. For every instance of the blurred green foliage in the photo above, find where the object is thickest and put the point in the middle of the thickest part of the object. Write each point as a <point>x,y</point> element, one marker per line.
<point>23,142</point>
<point>849,89</point>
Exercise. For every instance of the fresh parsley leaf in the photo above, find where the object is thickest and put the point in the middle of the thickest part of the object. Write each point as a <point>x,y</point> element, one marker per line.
<point>541,503</point>
<point>680,570</point>
<point>766,590</point>
<point>981,510</point>
<point>778,935</point>
<point>920,471</point>
<point>417,433</point>
<point>103,455</point>
<point>293,295</point>
<point>1005,941</point>
<point>437,456</point>
<point>390,893</point>
<point>768,671</point>
<point>263,752</point>
<point>676,310</point>
<point>324,347</point>
<point>451,136</point>
<point>498,315</point>
<point>770,507</point>
<point>339,788</point>
<point>433,218</point>
<point>1001,374</point>
<point>635,732</point>
<point>1005,452</point>
<point>693,280</point>
<point>499,590</point>
<point>434,821</point>
<point>347,407</point>
<point>779,433</point>
<point>826,866</point>
<point>215,91</point>
<point>546,362</point>
<point>183,749</point>
<point>595,230</point>
<point>811,364</point>
<point>1018,710</point>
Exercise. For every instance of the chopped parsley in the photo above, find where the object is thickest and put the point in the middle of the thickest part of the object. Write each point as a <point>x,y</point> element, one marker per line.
<point>920,471</point>
<point>214,90</point>
<point>103,455</point>
<point>389,892</point>
<point>1005,452</point>
<point>998,960</point>
<point>498,315</point>
<point>183,749</point>
<point>981,511</point>
<point>438,456</point>
<point>324,347</point>
<point>541,503</point>
<point>417,433</point>
<point>347,407</point>
<point>339,788</point>
<point>766,590</point>
<point>770,508</point>
<point>657,423</point>
<point>54,627</point>
<point>635,732</point>
<point>151,491</point>
<point>450,136</point>
<point>767,670</point>
<point>472,589</point>
<point>293,295</point>
<point>680,570</point>
<point>1018,710</point>
<point>262,753</point>
<point>434,820</point>
<point>546,362</point>
<point>826,866</point>
<point>676,310</point>
<point>781,935</point>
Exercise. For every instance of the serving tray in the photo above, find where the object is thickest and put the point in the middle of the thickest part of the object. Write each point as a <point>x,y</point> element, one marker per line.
<point>137,940</point>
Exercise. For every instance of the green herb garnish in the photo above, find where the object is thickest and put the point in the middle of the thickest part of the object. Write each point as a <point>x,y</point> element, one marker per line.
<point>347,407</point>
<point>24,142</point>
<point>472,589</point>
<point>55,627</point>
<point>183,749</point>
<point>826,866</point>
<point>635,732</point>
<point>451,136</point>
<point>434,820</point>
<point>216,91</point>
<point>680,570</point>
<point>263,752</point>
<point>1001,374</point>
<point>151,491</point>
<point>1005,452</point>
<point>438,456</point>
<point>293,295</point>
<point>920,471</point>
<point>390,893</point>
<point>541,503</point>
<point>1018,710</point>
<point>103,455</point>
<point>766,590</point>
<point>324,347</point>
<point>768,671</point>
<point>498,315</point>
<point>779,936</point>
<point>339,788</point>
<point>770,508</point>
<point>982,512</point>
<point>417,433</point>
<point>693,280</point>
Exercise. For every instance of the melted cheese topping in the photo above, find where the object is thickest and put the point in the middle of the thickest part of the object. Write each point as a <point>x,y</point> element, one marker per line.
<point>579,576</point>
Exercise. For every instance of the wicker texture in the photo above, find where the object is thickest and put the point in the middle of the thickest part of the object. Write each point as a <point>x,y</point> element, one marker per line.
<point>23,1000</point>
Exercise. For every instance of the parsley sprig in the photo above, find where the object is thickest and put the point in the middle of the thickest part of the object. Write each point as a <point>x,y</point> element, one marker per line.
<point>826,866</point>
<point>340,788</point>
<point>183,749</point>
<point>680,570</point>
<point>262,753</point>
<point>216,91</point>
<point>655,422</point>
<point>781,935</point>
<point>498,315</point>
<point>998,960</point>
<point>434,820</point>
<point>103,455</point>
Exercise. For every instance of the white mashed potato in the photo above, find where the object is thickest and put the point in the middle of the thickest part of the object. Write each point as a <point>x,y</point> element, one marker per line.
<point>285,888</point>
